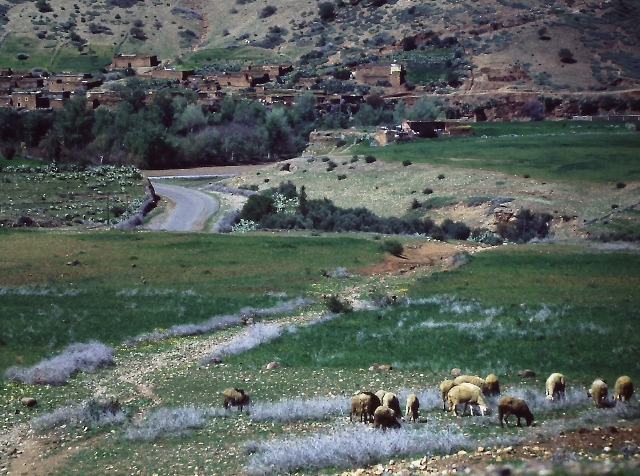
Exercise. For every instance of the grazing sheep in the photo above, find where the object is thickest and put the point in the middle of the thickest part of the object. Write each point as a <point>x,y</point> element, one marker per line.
<point>598,392</point>
<point>493,385</point>
<point>364,404</point>
<point>472,379</point>
<point>413,404</point>
<point>444,391</point>
<point>235,397</point>
<point>380,395</point>
<point>468,394</point>
<point>623,389</point>
<point>555,386</point>
<point>385,417</point>
<point>508,406</point>
<point>391,400</point>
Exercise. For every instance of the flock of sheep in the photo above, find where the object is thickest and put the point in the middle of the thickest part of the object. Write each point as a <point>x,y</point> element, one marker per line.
<point>383,408</point>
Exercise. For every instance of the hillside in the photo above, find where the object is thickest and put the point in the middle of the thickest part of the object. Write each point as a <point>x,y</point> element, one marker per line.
<point>511,46</point>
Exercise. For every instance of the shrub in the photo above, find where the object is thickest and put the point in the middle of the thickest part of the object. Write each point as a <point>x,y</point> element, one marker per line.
<point>257,206</point>
<point>341,143</point>
<point>455,230</point>
<point>9,152</point>
<point>406,163</point>
<point>337,306</point>
<point>415,204</point>
<point>527,226</point>
<point>369,159</point>
<point>267,11</point>
<point>441,177</point>
<point>94,413</point>
<point>22,56</point>
<point>326,10</point>
<point>342,177</point>
<point>566,56</point>
<point>393,247</point>
<point>427,191</point>
<point>621,185</point>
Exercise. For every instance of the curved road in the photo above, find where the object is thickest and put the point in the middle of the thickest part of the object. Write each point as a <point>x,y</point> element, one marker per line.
<point>189,213</point>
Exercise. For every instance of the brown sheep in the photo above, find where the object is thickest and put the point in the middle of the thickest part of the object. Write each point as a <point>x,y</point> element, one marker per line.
<point>413,404</point>
<point>364,404</point>
<point>468,394</point>
<point>623,389</point>
<point>555,386</point>
<point>385,417</point>
<point>390,400</point>
<point>493,385</point>
<point>472,379</point>
<point>235,397</point>
<point>598,392</point>
<point>508,406</point>
<point>444,391</point>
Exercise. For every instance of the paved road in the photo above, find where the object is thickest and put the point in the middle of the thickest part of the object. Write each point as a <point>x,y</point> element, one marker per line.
<point>189,212</point>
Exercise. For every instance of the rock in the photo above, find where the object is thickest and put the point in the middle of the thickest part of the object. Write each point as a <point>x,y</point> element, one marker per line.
<point>501,470</point>
<point>582,430</point>
<point>526,373</point>
<point>503,214</point>
<point>455,372</point>
<point>272,365</point>
<point>28,401</point>
<point>11,451</point>
<point>75,262</point>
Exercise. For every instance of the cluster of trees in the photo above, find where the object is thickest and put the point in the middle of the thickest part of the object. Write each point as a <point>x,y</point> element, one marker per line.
<point>323,215</point>
<point>174,131</point>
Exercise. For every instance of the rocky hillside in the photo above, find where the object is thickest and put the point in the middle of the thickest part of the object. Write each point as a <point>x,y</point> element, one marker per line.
<point>479,46</point>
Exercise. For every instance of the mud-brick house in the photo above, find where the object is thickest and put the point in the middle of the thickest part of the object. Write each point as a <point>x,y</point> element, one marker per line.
<point>436,128</point>
<point>29,100</point>
<point>72,83</point>
<point>28,82</point>
<point>134,61</point>
<point>170,74</point>
<point>5,100</point>
<point>380,74</point>
<point>246,78</point>
<point>96,99</point>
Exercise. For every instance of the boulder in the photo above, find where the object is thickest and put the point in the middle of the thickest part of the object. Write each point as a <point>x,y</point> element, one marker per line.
<point>28,401</point>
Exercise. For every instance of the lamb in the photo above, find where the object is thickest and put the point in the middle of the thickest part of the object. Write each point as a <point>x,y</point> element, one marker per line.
<point>598,392</point>
<point>391,400</point>
<point>555,386</point>
<point>493,385</point>
<point>385,417</point>
<point>508,406</point>
<point>444,391</point>
<point>235,397</point>
<point>472,379</point>
<point>468,394</point>
<point>413,404</point>
<point>623,389</point>
<point>364,404</point>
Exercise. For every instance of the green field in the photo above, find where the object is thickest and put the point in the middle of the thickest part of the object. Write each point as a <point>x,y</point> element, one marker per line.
<point>190,278</point>
<point>571,151</point>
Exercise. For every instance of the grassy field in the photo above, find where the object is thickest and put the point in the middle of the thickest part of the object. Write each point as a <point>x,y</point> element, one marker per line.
<point>549,150</point>
<point>48,303</point>
<point>48,194</point>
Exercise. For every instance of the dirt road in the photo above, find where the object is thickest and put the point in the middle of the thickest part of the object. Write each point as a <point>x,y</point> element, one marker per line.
<point>189,209</point>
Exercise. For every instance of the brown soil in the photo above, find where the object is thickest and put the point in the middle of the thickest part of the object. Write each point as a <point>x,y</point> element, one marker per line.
<point>591,448</point>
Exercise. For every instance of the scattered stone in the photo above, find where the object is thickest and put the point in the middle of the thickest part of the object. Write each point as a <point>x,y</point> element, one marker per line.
<point>455,372</point>
<point>272,365</point>
<point>28,401</point>
<point>526,373</point>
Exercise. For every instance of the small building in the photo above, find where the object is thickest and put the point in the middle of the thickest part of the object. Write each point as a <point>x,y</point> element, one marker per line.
<point>134,61</point>
<point>72,83</point>
<point>435,128</point>
<point>379,74</point>
<point>171,74</point>
<point>247,78</point>
<point>96,99</point>
<point>29,100</point>
<point>5,100</point>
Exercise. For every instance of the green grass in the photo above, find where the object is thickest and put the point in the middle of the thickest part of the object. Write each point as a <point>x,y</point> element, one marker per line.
<point>39,56</point>
<point>594,153</point>
<point>189,278</point>
<point>201,58</point>
<point>91,59</point>
<point>554,309</point>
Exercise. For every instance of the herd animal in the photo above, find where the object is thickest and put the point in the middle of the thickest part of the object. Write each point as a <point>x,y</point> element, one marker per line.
<point>382,409</point>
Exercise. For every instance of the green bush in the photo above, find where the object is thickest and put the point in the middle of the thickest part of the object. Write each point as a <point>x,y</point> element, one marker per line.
<point>337,306</point>
<point>257,206</point>
<point>406,163</point>
<point>393,247</point>
<point>369,159</point>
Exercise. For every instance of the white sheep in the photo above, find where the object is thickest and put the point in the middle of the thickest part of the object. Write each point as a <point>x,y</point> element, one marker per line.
<point>413,405</point>
<point>555,386</point>
<point>623,389</point>
<point>598,392</point>
<point>444,391</point>
<point>514,406</point>
<point>380,394</point>
<point>468,394</point>
<point>472,379</point>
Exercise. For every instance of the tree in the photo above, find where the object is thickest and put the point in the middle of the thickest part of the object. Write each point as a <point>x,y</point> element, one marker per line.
<point>277,133</point>
<point>191,119</point>
<point>400,112</point>
<point>52,146</point>
<point>75,122</point>
<point>424,110</point>
<point>303,204</point>
<point>43,6</point>
<point>566,56</point>
<point>326,10</point>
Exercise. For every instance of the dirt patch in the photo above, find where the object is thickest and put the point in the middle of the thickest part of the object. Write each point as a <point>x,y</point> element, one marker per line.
<point>204,171</point>
<point>595,451</point>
